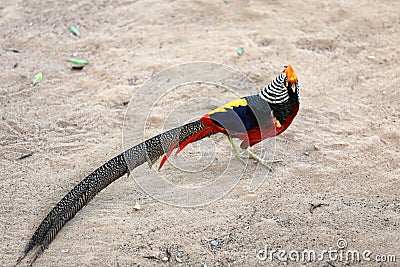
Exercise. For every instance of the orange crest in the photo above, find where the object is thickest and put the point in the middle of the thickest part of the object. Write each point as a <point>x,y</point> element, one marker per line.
<point>290,74</point>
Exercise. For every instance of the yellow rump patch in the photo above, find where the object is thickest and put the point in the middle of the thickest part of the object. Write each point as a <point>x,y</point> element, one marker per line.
<point>230,105</point>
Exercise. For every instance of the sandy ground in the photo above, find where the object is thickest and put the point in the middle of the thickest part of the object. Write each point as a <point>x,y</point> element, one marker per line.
<point>343,149</point>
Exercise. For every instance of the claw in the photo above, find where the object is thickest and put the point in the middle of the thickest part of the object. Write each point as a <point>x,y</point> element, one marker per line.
<point>265,162</point>
<point>250,155</point>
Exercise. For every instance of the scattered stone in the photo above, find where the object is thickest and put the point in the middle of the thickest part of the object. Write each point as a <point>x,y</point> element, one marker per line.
<point>214,243</point>
<point>137,206</point>
<point>132,81</point>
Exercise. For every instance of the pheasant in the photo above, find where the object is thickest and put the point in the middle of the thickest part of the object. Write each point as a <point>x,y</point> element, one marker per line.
<point>251,119</point>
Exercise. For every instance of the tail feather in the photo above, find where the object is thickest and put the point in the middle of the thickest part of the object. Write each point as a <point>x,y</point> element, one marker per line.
<point>148,151</point>
<point>196,137</point>
<point>167,154</point>
<point>209,129</point>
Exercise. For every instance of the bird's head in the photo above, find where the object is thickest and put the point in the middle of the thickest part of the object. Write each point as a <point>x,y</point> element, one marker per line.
<point>291,79</point>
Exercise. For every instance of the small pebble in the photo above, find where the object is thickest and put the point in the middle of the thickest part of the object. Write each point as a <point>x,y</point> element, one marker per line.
<point>306,153</point>
<point>214,243</point>
<point>137,206</point>
<point>165,259</point>
<point>64,251</point>
<point>370,57</point>
<point>316,147</point>
<point>277,220</point>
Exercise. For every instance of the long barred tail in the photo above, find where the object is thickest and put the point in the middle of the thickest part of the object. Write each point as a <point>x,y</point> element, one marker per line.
<point>148,151</point>
<point>208,128</point>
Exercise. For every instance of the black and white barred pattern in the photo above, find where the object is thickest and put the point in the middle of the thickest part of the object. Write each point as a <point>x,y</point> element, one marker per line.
<point>147,151</point>
<point>275,92</point>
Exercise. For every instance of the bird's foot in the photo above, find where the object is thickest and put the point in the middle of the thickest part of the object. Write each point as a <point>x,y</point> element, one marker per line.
<point>265,162</point>
<point>247,154</point>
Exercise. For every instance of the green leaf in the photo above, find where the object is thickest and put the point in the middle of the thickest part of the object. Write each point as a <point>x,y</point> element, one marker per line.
<point>78,62</point>
<point>37,79</point>
<point>74,30</point>
<point>240,51</point>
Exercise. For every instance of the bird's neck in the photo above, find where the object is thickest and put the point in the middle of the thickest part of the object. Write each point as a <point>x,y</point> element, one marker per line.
<point>286,111</point>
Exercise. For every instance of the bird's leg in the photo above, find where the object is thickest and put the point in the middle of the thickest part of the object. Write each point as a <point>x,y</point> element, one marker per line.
<point>236,150</point>
<point>265,162</point>
<point>250,155</point>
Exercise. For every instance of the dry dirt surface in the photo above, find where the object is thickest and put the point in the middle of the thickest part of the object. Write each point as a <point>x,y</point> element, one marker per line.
<point>342,150</point>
